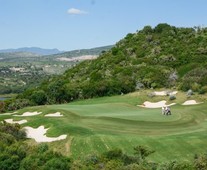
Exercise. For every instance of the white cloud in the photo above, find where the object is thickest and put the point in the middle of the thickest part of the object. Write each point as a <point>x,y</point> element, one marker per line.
<point>74,11</point>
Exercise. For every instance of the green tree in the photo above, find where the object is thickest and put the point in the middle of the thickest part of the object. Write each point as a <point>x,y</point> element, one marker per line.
<point>39,97</point>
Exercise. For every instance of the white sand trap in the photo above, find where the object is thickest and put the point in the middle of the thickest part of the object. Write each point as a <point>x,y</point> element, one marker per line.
<point>191,102</point>
<point>164,93</point>
<point>160,93</point>
<point>173,92</point>
<point>39,134</point>
<point>29,114</point>
<point>57,114</point>
<point>12,121</point>
<point>156,104</point>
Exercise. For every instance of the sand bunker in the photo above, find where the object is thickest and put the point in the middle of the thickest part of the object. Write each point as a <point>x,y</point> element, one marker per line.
<point>39,134</point>
<point>12,121</point>
<point>190,102</point>
<point>156,104</point>
<point>29,114</point>
<point>173,92</point>
<point>57,114</point>
<point>160,93</point>
<point>164,93</point>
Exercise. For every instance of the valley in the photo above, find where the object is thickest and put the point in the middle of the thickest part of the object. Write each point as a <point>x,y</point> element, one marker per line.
<point>21,70</point>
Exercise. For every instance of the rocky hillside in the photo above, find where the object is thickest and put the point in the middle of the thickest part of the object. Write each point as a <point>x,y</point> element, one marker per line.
<point>163,56</point>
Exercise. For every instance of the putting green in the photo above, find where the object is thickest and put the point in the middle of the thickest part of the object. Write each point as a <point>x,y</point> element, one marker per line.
<point>94,126</point>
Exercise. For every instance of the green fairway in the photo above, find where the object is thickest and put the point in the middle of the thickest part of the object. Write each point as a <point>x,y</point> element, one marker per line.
<point>97,125</point>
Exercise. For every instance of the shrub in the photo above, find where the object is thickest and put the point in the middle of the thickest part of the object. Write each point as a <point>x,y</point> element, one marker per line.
<point>202,90</point>
<point>15,104</point>
<point>195,86</point>
<point>172,97</point>
<point>200,161</point>
<point>39,97</point>
<point>12,129</point>
<point>2,107</point>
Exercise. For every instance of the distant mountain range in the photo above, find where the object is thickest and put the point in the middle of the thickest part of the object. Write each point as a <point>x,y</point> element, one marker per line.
<point>36,50</point>
<point>27,54</point>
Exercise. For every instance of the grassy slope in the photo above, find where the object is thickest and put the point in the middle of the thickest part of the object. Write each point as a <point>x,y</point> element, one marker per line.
<point>100,124</point>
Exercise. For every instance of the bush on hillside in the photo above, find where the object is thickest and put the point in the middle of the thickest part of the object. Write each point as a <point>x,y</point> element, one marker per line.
<point>12,129</point>
<point>39,97</point>
<point>200,161</point>
<point>2,106</point>
<point>172,97</point>
<point>202,90</point>
<point>15,104</point>
<point>194,79</point>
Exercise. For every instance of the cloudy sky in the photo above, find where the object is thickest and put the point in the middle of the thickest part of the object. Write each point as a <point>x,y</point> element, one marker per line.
<point>77,24</point>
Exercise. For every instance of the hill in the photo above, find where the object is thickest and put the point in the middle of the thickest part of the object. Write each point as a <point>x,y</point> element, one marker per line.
<point>81,52</point>
<point>163,56</point>
<point>35,50</point>
<point>20,70</point>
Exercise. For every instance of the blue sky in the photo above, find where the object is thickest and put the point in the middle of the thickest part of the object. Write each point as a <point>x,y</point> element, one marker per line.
<point>77,24</point>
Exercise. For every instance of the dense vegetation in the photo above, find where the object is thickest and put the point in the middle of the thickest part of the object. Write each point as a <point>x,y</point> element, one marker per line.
<point>164,56</point>
<point>17,154</point>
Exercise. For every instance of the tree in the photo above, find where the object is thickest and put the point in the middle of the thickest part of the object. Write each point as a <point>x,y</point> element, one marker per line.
<point>56,91</point>
<point>162,27</point>
<point>39,97</point>
<point>147,29</point>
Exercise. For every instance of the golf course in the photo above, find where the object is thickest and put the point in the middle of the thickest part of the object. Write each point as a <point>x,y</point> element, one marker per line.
<point>100,124</point>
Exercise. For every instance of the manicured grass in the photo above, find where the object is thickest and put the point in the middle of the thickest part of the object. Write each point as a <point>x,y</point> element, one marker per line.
<point>97,125</point>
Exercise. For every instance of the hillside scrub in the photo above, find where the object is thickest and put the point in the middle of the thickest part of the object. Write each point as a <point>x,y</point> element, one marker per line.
<point>15,154</point>
<point>161,57</point>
